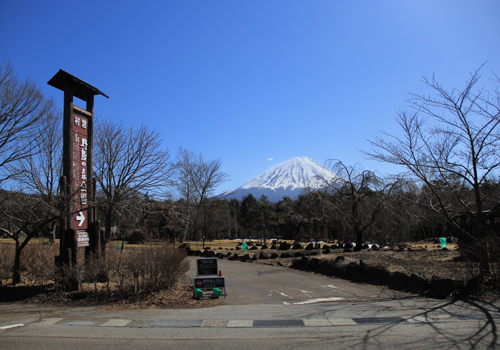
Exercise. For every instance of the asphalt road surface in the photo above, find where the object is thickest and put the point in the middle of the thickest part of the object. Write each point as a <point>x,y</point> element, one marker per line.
<point>267,307</point>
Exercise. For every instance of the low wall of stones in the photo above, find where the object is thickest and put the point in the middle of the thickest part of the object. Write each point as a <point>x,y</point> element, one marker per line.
<point>360,272</point>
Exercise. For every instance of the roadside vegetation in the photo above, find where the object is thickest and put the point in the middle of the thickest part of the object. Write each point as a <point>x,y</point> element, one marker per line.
<point>148,202</point>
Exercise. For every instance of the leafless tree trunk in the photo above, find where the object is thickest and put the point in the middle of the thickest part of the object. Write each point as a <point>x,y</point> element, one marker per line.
<point>450,142</point>
<point>195,181</point>
<point>357,195</point>
<point>127,162</point>
<point>22,106</point>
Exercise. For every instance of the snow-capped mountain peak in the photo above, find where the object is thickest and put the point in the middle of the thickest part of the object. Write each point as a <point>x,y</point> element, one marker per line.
<point>289,179</point>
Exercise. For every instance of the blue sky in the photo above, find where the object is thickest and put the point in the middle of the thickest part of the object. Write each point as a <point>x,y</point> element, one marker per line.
<point>255,83</point>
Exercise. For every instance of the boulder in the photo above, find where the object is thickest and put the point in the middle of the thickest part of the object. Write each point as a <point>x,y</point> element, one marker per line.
<point>245,258</point>
<point>399,281</point>
<point>234,257</point>
<point>297,245</point>
<point>286,255</point>
<point>339,258</point>
<point>274,256</point>
<point>310,246</point>
<point>417,284</point>
<point>264,246</point>
<point>284,246</point>
<point>441,288</point>
<point>264,255</point>
<point>185,247</point>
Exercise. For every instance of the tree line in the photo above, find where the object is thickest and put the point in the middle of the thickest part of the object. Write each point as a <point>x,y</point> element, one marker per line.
<point>449,146</point>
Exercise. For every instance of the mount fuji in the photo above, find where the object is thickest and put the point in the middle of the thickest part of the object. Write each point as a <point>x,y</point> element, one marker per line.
<point>289,179</point>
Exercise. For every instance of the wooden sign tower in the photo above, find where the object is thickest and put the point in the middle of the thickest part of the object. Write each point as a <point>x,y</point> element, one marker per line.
<point>77,185</point>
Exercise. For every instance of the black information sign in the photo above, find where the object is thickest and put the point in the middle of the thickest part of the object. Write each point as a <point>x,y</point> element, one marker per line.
<point>207,266</point>
<point>209,283</point>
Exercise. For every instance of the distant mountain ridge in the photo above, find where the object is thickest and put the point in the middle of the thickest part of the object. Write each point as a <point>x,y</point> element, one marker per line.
<point>289,179</point>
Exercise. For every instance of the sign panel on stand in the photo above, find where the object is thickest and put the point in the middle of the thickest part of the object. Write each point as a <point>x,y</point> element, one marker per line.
<point>207,267</point>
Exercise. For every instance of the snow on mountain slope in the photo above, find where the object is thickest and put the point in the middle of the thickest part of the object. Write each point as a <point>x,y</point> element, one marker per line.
<point>289,179</point>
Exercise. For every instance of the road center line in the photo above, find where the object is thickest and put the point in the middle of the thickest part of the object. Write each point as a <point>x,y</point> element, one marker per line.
<point>318,300</point>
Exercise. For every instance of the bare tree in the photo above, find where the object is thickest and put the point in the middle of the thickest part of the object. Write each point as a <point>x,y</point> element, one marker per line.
<point>39,172</point>
<point>196,181</point>
<point>33,205</point>
<point>22,106</point>
<point>356,197</point>
<point>450,142</point>
<point>127,162</point>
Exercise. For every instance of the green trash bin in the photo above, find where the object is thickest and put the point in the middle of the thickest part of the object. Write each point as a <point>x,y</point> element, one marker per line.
<point>198,293</point>
<point>217,292</point>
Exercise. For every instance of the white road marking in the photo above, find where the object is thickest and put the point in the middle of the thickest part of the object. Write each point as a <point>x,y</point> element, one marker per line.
<point>306,291</point>
<point>11,326</point>
<point>116,323</point>
<point>329,286</point>
<point>49,321</point>
<point>240,324</point>
<point>316,323</point>
<point>285,295</point>
<point>318,300</point>
<point>341,321</point>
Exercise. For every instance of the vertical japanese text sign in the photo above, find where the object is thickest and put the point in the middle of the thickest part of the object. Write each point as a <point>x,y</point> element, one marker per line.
<point>77,147</point>
<point>81,176</point>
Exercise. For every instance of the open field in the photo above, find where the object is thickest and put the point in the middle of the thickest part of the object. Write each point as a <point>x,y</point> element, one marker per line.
<point>424,259</point>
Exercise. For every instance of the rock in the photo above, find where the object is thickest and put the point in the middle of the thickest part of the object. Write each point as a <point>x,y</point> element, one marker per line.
<point>352,272</point>
<point>379,275</point>
<point>184,247</point>
<point>298,254</point>
<point>208,254</point>
<point>273,246</point>
<point>297,245</point>
<point>310,246</point>
<point>300,263</point>
<point>274,256</point>
<point>254,257</point>
<point>286,255</point>
<point>233,257</point>
<point>339,258</point>
<point>399,281</point>
<point>264,255</point>
<point>417,284</point>
<point>264,246</point>
<point>284,246</point>
<point>254,248</point>
<point>441,287</point>
<point>326,251</point>
<point>245,258</point>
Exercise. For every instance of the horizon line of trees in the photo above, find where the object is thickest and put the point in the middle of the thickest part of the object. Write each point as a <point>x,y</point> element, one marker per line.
<point>449,145</point>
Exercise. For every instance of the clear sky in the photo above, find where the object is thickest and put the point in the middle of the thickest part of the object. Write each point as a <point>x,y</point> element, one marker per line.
<point>254,82</point>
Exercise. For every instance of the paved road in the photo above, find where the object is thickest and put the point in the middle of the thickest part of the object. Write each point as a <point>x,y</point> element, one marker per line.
<point>268,308</point>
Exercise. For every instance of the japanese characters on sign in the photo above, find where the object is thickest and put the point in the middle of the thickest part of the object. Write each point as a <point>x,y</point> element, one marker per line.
<point>79,134</point>
<point>82,239</point>
<point>206,266</point>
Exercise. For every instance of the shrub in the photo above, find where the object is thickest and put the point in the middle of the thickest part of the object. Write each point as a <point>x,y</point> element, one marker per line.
<point>158,267</point>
